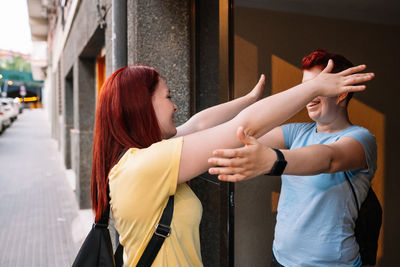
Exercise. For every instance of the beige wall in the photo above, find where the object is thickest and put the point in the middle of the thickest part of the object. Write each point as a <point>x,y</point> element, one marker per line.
<point>273,43</point>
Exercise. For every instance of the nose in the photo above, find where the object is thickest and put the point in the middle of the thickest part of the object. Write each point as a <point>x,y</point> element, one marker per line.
<point>175,107</point>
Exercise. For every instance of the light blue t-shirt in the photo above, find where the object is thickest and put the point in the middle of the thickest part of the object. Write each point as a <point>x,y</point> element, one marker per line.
<point>316,213</point>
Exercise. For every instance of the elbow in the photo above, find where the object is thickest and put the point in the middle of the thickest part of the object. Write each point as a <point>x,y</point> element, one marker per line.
<point>329,168</point>
<point>254,130</point>
<point>201,125</point>
<point>332,163</point>
<point>252,126</point>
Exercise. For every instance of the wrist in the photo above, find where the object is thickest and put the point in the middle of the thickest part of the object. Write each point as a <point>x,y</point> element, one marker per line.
<point>279,165</point>
<point>251,97</point>
<point>314,89</point>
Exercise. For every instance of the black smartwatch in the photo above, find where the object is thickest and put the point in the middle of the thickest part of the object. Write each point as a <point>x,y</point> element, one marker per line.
<point>279,165</point>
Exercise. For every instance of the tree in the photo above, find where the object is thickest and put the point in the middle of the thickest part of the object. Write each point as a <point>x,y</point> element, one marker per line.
<point>16,63</point>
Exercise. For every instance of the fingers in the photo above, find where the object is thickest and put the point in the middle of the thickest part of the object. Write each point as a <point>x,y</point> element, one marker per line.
<point>227,153</point>
<point>353,70</point>
<point>358,78</point>
<point>231,178</point>
<point>225,170</point>
<point>228,174</point>
<point>329,66</point>
<point>354,88</point>
<point>244,138</point>
<point>256,92</point>
<point>241,136</point>
<point>261,81</point>
<point>225,162</point>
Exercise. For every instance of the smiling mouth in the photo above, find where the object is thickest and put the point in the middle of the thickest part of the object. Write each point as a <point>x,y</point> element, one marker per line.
<point>313,103</point>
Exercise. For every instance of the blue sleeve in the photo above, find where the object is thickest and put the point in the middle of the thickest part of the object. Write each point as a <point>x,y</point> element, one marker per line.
<point>291,131</point>
<point>368,142</point>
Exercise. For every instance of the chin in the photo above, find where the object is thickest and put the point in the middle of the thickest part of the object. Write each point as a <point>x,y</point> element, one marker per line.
<point>313,117</point>
<point>170,134</point>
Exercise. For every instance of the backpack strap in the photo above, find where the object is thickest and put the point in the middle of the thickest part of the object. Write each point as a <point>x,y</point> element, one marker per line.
<point>162,231</point>
<point>354,192</point>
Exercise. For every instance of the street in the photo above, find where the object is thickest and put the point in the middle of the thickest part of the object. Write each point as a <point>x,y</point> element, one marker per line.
<point>38,207</point>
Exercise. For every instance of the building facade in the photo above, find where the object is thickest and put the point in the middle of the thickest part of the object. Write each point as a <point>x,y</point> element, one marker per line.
<point>211,51</point>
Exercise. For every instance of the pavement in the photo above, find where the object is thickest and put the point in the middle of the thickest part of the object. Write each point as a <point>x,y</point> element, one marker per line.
<point>40,221</point>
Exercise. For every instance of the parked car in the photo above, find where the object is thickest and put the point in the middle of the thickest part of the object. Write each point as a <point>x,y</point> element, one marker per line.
<point>10,108</point>
<point>15,108</point>
<point>2,118</point>
<point>8,111</point>
<point>19,105</point>
<point>5,117</point>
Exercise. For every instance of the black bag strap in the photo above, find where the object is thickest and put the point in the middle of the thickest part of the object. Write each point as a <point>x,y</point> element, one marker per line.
<point>162,231</point>
<point>354,192</point>
<point>119,256</point>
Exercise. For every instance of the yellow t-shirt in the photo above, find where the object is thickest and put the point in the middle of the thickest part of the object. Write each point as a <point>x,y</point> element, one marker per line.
<point>140,185</point>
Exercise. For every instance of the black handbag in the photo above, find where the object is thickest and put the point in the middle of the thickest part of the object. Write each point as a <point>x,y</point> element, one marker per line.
<point>97,251</point>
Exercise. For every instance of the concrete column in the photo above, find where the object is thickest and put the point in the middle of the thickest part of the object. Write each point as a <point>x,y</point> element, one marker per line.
<point>53,104</point>
<point>56,105</point>
<point>108,45</point>
<point>159,36</point>
<point>68,119</point>
<point>83,122</point>
<point>60,108</point>
<point>119,26</point>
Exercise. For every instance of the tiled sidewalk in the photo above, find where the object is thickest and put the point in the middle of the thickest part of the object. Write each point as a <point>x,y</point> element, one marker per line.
<point>37,205</point>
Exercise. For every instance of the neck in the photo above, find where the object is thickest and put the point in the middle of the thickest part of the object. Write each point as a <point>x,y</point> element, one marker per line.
<point>340,122</point>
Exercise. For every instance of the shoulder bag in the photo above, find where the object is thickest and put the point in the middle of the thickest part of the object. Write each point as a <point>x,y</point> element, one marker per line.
<point>97,251</point>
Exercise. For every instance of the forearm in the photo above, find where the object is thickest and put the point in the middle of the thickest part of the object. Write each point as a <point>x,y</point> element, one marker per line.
<point>221,113</point>
<point>309,160</point>
<point>272,111</point>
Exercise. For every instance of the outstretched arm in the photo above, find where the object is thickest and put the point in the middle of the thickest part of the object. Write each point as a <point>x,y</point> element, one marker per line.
<point>255,159</point>
<point>218,114</point>
<point>264,115</point>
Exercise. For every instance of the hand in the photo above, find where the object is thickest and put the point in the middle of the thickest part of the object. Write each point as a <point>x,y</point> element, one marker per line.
<point>257,91</point>
<point>333,84</point>
<point>242,163</point>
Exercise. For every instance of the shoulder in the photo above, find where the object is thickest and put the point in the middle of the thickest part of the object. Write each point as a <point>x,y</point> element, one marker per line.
<point>160,149</point>
<point>361,134</point>
<point>368,143</point>
<point>154,158</point>
<point>299,126</point>
<point>293,129</point>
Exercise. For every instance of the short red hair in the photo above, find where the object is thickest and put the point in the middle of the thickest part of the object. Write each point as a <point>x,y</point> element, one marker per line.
<point>125,118</point>
<point>320,58</point>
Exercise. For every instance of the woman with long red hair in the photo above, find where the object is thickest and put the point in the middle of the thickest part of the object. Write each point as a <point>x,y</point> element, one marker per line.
<point>135,114</point>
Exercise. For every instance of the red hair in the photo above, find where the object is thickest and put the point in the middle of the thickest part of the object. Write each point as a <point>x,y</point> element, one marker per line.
<point>125,118</point>
<point>320,58</point>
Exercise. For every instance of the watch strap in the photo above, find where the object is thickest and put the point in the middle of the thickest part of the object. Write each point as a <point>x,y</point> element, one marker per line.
<point>279,165</point>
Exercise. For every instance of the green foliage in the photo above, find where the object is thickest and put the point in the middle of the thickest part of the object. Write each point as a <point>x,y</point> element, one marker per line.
<point>16,63</point>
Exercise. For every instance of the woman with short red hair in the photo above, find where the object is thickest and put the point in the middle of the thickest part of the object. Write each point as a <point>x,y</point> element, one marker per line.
<point>135,114</point>
<point>316,210</point>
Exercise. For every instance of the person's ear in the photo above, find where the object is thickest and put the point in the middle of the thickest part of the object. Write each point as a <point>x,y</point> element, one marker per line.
<point>342,98</point>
